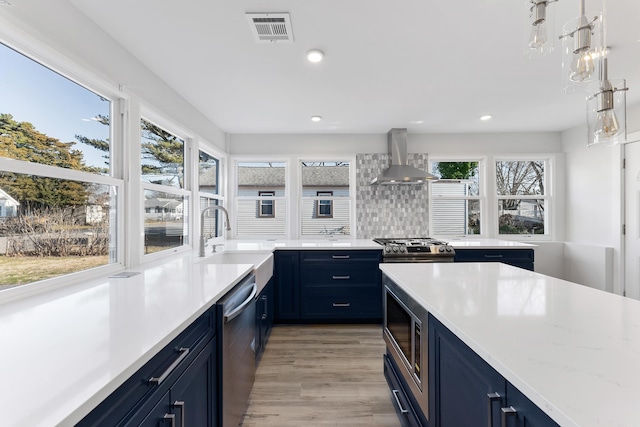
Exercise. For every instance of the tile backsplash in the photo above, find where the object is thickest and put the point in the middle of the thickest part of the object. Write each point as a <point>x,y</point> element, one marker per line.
<point>390,210</point>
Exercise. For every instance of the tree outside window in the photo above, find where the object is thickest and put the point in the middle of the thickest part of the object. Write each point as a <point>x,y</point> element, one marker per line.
<point>521,194</point>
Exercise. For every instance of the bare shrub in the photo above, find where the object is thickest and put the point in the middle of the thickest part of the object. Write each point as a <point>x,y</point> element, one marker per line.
<point>55,232</point>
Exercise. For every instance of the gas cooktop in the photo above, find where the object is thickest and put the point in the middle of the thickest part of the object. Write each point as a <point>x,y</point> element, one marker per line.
<point>415,249</point>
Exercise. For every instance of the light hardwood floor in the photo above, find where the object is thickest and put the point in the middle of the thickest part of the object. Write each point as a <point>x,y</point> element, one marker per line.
<point>322,375</point>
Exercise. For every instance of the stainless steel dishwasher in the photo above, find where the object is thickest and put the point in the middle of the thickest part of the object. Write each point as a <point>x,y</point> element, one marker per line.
<point>238,309</point>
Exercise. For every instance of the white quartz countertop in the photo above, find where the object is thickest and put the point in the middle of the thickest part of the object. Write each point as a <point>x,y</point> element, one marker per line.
<point>66,350</point>
<point>477,243</point>
<point>301,244</point>
<point>573,350</point>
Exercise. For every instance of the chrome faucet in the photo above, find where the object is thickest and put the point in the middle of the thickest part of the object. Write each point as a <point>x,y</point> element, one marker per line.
<point>203,243</point>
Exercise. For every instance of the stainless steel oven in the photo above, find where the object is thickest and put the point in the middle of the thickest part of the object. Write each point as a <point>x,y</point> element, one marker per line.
<point>405,334</point>
<point>415,249</point>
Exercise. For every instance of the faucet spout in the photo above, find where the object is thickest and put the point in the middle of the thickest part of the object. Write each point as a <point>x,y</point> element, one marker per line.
<point>202,215</point>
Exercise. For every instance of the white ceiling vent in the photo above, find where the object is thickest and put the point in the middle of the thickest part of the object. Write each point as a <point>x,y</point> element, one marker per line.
<point>271,27</point>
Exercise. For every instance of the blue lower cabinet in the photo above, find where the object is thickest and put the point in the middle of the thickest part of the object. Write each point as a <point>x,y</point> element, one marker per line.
<point>177,387</point>
<point>402,402</point>
<point>265,309</point>
<point>523,258</point>
<point>469,392</point>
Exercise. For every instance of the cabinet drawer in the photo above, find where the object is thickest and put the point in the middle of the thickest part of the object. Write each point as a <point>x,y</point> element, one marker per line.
<point>351,256</point>
<point>339,275</point>
<point>494,255</point>
<point>340,303</point>
<point>171,359</point>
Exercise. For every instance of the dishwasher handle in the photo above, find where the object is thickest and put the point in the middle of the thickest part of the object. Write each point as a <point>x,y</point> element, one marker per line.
<point>239,309</point>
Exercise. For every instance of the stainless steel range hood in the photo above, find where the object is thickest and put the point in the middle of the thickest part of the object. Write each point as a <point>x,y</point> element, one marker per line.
<point>400,172</point>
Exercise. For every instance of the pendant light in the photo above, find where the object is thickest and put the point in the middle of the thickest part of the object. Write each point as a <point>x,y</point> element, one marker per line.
<point>539,28</point>
<point>606,104</point>
<point>579,36</point>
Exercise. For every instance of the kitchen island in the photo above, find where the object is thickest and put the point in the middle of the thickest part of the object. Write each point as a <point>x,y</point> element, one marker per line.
<point>571,350</point>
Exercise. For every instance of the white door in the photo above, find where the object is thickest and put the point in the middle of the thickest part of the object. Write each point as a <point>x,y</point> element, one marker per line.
<point>632,220</point>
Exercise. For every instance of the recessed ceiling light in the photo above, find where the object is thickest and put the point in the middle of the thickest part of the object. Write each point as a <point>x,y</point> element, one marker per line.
<point>487,117</point>
<point>316,118</point>
<point>315,55</point>
<point>416,122</point>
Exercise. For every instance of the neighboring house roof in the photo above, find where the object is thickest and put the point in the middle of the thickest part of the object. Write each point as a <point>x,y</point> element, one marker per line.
<point>8,198</point>
<point>158,202</point>
<point>335,176</point>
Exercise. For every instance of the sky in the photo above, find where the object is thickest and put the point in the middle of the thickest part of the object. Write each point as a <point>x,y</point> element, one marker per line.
<point>55,105</point>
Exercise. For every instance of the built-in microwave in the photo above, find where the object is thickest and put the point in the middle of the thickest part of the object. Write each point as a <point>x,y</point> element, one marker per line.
<point>405,334</point>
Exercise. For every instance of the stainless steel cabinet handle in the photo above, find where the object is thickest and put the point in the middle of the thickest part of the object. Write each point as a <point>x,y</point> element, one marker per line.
<point>507,412</point>
<point>180,404</point>
<point>494,256</point>
<point>342,304</point>
<point>266,307</point>
<point>184,351</point>
<point>491,397</point>
<point>341,277</point>
<point>238,310</point>
<point>340,256</point>
<point>171,417</point>
<point>395,395</point>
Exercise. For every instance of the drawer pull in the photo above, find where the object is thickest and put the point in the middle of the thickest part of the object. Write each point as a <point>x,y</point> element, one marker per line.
<point>342,304</point>
<point>494,256</point>
<point>341,277</point>
<point>491,398</point>
<point>340,256</point>
<point>157,380</point>
<point>395,395</point>
<point>507,412</point>
<point>180,404</point>
<point>170,417</point>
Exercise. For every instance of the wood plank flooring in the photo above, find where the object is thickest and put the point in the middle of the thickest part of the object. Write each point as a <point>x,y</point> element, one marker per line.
<point>322,375</point>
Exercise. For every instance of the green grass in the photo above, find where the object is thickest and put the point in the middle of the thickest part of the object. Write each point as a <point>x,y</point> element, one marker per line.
<point>22,270</point>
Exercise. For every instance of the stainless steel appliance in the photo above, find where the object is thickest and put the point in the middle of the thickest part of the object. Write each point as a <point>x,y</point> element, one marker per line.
<point>405,334</point>
<point>415,249</point>
<point>238,308</point>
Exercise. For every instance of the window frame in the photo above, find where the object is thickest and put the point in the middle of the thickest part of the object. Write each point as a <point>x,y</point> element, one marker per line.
<point>162,122</point>
<point>483,191</point>
<point>53,60</point>
<point>549,184</point>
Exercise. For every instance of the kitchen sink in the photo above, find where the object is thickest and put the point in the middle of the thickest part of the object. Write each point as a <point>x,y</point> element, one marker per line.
<point>262,263</point>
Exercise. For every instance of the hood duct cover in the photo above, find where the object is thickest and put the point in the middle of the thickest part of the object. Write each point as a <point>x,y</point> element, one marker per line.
<point>400,172</point>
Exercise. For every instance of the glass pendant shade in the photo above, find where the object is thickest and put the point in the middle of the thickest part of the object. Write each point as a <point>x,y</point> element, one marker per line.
<point>581,45</point>
<point>606,113</point>
<point>539,29</point>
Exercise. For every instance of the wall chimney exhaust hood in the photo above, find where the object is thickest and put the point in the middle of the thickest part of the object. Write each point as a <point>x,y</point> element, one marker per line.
<point>400,172</point>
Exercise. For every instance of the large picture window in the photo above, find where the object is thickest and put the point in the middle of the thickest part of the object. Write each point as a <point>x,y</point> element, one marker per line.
<point>58,204</point>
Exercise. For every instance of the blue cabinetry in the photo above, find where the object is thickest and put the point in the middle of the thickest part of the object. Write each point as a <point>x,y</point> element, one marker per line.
<point>521,257</point>
<point>328,285</point>
<point>179,383</point>
<point>403,403</point>
<point>286,270</point>
<point>265,306</point>
<point>469,392</point>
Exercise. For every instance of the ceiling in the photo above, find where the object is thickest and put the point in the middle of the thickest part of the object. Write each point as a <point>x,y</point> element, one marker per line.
<point>432,67</point>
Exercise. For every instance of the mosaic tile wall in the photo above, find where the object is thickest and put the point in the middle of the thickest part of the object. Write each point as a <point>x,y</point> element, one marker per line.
<point>390,210</point>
